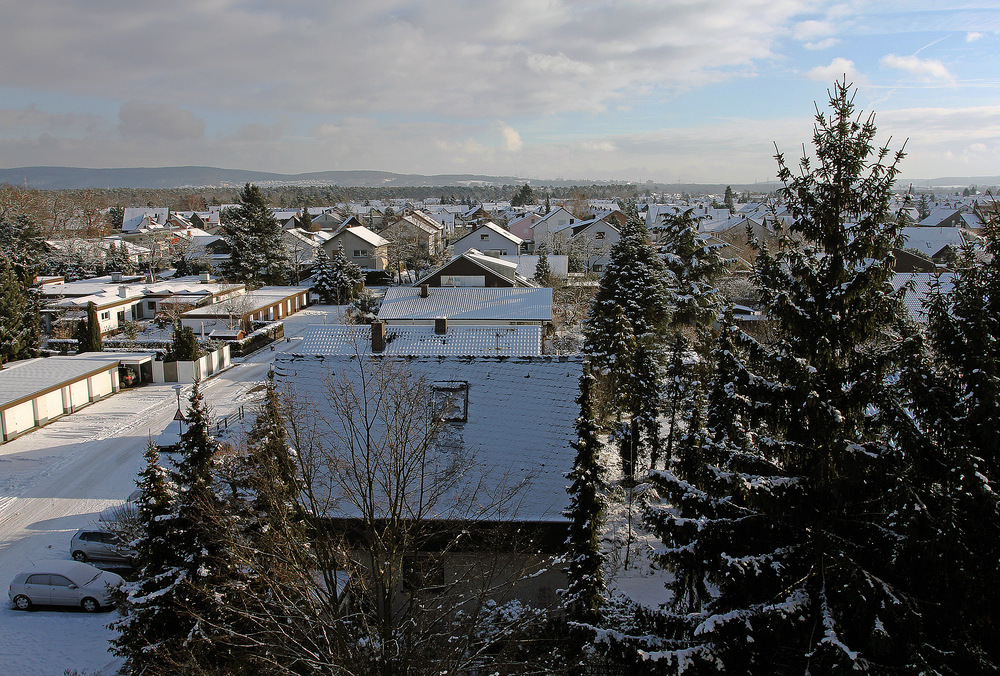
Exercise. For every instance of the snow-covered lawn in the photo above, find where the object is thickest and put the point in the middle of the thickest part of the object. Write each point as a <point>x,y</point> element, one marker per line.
<point>59,478</point>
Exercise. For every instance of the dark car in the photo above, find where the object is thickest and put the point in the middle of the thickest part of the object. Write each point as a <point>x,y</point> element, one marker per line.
<point>99,545</point>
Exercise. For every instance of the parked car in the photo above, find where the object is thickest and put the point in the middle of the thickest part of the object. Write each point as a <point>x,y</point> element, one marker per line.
<point>94,544</point>
<point>63,583</point>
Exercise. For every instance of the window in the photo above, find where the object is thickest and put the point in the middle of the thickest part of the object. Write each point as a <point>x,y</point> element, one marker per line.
<point>361,253</point>
<point>450,400</point>
<point>485,237</point>
<point>151,305</point>
<point>106,315</point>
<point>598,267</point>
<point>599,234</point>
<point>59,581</point>
<point>37,579</point>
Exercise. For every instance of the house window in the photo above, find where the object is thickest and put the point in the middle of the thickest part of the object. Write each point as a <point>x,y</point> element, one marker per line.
<point>599,234</point>
<point>361,253</point>
<point>450,400</point>
<point>151,304</point>
<point>106,315</point>
<point>484,238</point>
<point>598,267</point>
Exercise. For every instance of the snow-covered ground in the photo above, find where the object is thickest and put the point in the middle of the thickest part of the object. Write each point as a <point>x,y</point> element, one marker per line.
<point>59,478</point>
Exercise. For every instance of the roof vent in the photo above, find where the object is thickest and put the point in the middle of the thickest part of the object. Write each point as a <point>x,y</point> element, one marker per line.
<point>425,290</point>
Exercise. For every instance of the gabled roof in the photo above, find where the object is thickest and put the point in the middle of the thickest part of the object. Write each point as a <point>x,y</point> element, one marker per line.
<point>496,229</point>
<point>468,303</point>
<point>931,241</point>
<point>518,423</point>
<point>496,266</point>
<point>921,283</point>
<point>362,233</point>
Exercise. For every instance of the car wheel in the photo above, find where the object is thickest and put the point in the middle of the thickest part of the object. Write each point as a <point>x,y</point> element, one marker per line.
<point>90,605</point>
<point>22,602</point>
<point>79,556</point>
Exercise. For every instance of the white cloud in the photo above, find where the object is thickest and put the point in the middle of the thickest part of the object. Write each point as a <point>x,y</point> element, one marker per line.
<point>838,69</point>
<point>973,37</point>
<point>809,30</point>
<point>822,44</point>
<point>511,139</point>
<point>926,69</point>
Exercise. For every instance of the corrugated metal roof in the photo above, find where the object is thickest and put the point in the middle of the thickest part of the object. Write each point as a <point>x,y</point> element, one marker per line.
<point>519,423</point>
<point>468,303</point>
<point>459,341</point>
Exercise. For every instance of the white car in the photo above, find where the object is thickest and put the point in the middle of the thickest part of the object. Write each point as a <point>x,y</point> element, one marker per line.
<point>64,583</point>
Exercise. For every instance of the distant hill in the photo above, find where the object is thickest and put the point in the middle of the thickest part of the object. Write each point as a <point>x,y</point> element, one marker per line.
<point>64,178</point>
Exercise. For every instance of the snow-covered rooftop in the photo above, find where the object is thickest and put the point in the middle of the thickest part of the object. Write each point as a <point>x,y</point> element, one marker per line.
<point>519,421</point>
<point>26,378</point>
<point>467,303</point>
<point>460,341</point>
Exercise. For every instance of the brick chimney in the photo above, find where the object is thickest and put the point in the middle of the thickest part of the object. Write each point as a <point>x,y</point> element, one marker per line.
<point>440,325</point>
<point>425,290</point>
<point>378,336</point>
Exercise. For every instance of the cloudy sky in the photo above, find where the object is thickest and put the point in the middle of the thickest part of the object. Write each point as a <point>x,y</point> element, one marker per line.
<point>664,90</point>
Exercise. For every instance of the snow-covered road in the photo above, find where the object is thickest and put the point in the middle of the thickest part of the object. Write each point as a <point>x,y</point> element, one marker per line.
<point>59,478</point>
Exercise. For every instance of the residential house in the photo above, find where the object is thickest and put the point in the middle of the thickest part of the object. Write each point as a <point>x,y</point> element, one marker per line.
<point>423,235</point>
<point>543,231</point>
<point>491,240</point>
<point>472,268</point>
<point>266,304</point>
<point>369,250</point>
<point>506,424</point>
<point>421,340</point>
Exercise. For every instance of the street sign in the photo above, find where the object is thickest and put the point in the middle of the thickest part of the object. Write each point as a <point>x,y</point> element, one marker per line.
<point>178,415</point>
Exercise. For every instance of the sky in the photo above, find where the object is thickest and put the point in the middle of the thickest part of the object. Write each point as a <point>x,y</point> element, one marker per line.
<point>633,90</point>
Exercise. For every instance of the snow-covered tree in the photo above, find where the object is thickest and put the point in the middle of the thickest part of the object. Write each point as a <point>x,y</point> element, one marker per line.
<point>625,335</point>
<point>346,277</point>
<point>695,266</point>
<point>16,336</point>
<point>586,584</point>
<point>323,281</point>
<point>543,271</point>
<point>954,517</point>
<point>783,531</point>
<point>254,237</point>
<point>185,621</point>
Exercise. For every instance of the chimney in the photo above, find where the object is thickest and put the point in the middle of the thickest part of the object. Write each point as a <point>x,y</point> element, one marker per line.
<point>378,336</point>
<point>425,290</point>
<point>116,276</point>
<point>206,277</point>
<point>440,325</point>
<point>122,291</point>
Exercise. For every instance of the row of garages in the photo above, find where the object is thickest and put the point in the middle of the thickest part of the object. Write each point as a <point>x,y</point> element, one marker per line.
<point>36,391</point>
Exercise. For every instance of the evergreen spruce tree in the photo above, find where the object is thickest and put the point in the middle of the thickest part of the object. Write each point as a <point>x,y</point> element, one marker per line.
<point>347,279</point>
<point>632,298</point>
<point>257,253</point>
<point>15,333</point>
<point>88,332</point>
<point>787,505</point>
<point>323,281</point>
<point>150,625</point>
<point>953,519</point>
<point>183,598</point>
<point>695,266</point>
<point>543,271</point>
<point>586,513</point>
